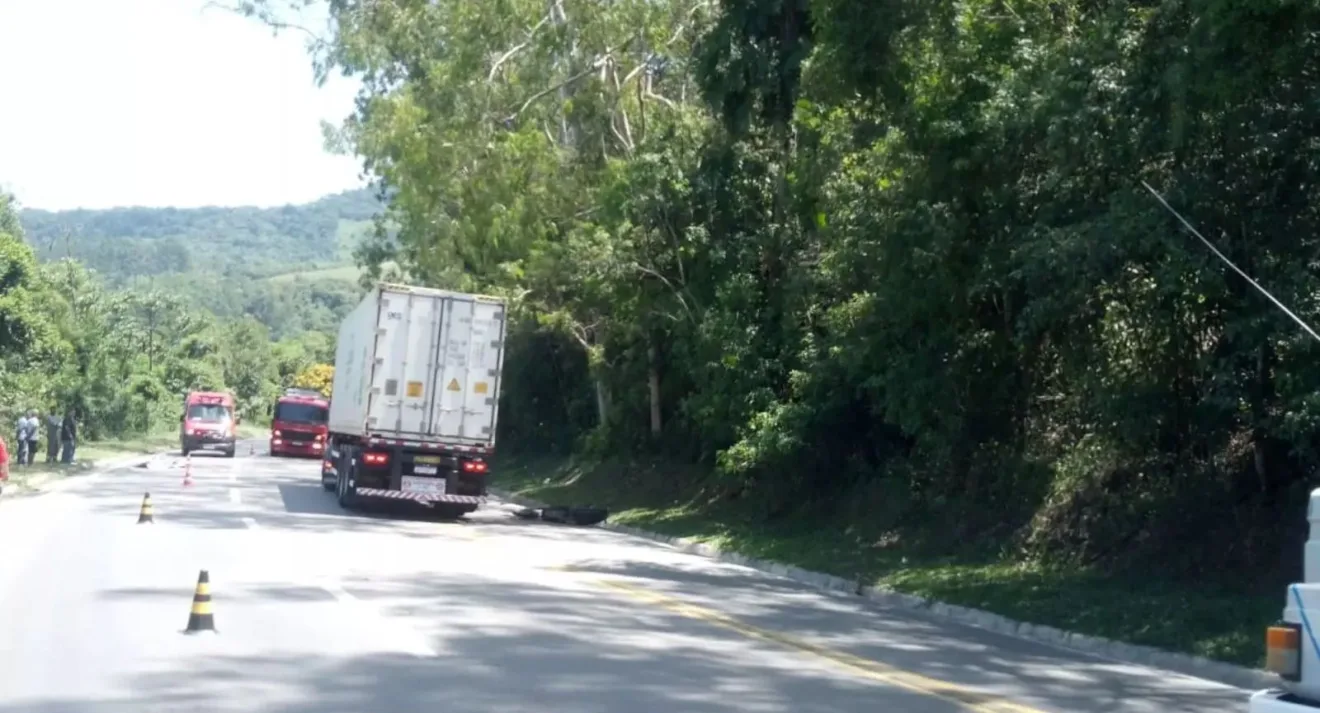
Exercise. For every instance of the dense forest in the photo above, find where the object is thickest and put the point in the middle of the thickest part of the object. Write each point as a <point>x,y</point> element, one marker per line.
<point>883,251</point>
<point>123,348</point>
<point>290,267</point>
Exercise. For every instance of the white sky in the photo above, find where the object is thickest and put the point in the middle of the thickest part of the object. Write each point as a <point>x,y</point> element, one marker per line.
<point>109,103</point>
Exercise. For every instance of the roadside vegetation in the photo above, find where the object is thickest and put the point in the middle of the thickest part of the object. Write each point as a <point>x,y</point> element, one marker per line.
<point>124,354</point>
<point>872,287</point>
<point>883,274</point>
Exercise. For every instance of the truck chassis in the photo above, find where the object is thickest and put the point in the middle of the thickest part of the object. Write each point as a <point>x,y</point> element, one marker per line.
<point>449,479</point>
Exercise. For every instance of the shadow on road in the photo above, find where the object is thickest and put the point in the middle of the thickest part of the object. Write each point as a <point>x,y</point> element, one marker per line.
<point>523,647</point>
<point>514,645</point>
<point>285,494</point>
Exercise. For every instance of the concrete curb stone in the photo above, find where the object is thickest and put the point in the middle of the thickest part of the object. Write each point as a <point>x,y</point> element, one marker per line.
<point>1196,666</point>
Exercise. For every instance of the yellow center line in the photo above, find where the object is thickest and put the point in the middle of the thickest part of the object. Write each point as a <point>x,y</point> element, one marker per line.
<point>960,695</point>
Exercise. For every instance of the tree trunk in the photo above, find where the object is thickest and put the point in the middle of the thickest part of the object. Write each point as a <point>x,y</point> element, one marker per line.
<point>653,373</point>
<point>1262,396</point>
<point>602,400</point>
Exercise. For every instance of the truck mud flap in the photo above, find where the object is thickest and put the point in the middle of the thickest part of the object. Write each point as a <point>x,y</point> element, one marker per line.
<point>418,497</point>
<point>580,516</point>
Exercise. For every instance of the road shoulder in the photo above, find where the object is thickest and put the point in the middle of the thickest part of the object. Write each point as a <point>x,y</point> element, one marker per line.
<point>1195,666</point>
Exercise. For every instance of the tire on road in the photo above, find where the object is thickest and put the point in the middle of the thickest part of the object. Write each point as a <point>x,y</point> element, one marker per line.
<point>579,515</point>
<point>588,515</point>
<point>452,511</point>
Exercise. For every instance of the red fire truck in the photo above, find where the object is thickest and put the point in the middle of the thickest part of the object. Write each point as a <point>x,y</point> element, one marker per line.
<point>298,424</point>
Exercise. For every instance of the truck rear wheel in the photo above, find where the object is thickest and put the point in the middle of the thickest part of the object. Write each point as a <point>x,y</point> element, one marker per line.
<point>347,456</point>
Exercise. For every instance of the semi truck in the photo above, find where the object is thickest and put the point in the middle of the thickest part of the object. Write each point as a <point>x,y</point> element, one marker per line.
<point>414,403</point>
<point>1292,645</point>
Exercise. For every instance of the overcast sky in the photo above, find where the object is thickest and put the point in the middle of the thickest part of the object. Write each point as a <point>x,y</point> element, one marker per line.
<point>109,103</point>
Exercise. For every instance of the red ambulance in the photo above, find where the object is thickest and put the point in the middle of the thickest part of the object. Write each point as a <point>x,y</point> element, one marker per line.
<point>208,423</point>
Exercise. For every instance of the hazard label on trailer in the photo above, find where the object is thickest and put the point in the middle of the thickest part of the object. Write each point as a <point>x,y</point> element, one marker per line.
<point>453,385</point>
<point>479,387</point>
<point>414,389</point>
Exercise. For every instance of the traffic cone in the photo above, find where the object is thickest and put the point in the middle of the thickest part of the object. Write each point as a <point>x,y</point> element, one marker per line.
<point>201,618</point>
<point>145,514</point>
<point>187,471</point>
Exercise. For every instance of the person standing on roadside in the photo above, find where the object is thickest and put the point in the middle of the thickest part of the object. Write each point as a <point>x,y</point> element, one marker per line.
<point>28,430</point>
<point>34,435</point>
<point>52,436</point>
<point>68,436</point>
<point>20,435</point>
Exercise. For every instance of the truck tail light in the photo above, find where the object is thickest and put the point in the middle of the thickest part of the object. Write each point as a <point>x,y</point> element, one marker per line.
<point>474,466</point>
<point>276,433</point>
<point>376,459</point>
<point>1283,650</point>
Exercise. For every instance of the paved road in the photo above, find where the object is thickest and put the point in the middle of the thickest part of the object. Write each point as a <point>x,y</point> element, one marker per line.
<point>320,611</point>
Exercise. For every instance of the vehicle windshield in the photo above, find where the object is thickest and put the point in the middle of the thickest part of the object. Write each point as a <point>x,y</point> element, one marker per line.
<point>208,412</point>
<point>301,413</point>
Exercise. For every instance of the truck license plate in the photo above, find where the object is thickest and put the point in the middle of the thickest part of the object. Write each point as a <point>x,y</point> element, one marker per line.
<point>433,460</point>
<point>423,486</point>
<point>424,469</point>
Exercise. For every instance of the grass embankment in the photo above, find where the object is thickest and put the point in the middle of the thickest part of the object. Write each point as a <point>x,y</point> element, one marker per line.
<point>1211,622</point>
<point>91,454</point>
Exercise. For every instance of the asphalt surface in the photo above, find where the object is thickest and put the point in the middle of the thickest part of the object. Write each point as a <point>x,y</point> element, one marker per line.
<point>319,610</point>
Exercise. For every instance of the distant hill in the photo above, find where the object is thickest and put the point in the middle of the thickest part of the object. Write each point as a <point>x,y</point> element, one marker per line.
<point>123,243</point>
<point>291,267</point>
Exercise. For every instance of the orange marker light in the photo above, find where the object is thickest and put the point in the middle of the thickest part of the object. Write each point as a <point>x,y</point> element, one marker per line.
<point>1283,650</point>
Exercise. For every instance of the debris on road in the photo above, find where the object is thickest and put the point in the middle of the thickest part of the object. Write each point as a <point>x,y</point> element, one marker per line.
<point>582,516</point>
<point>145,515</point>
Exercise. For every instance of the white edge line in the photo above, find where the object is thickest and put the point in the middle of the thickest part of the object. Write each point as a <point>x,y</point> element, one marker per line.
<point>234,496</point>
<point>251,523</point>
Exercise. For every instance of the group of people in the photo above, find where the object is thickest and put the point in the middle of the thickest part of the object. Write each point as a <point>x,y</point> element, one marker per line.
<point>61,439</point>
<point>61,436</point>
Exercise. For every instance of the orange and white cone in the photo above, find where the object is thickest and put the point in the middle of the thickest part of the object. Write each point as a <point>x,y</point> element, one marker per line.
<point>187,471</point>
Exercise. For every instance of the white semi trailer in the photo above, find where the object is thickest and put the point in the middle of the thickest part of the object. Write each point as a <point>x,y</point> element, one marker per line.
<point>415,401</point>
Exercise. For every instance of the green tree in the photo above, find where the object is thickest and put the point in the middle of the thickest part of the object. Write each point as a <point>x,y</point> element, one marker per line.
<point>843,247</point>
<point>249,365</point>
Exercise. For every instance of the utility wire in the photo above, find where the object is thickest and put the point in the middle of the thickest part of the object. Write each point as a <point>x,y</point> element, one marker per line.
<point>1236,269</point>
